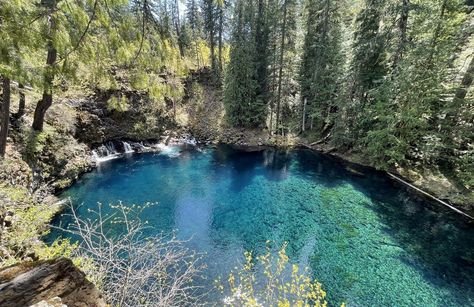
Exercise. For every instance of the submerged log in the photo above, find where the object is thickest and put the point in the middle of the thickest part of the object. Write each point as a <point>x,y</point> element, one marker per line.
<point>29,283</point>
<point>429,195</point>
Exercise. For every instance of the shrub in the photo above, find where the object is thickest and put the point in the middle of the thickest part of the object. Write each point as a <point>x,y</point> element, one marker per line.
<point>129,268</point>
<point>270,280</point>
<point>22,222</point>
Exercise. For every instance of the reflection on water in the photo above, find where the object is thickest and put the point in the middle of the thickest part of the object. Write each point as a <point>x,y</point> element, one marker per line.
<point>365,238</point>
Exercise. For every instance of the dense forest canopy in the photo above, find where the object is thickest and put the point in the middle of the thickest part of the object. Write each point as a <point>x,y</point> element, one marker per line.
<point>387,79</point>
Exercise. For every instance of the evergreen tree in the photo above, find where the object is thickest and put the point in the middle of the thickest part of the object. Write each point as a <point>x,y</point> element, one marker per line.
<point>15,44</point>
<point>194,16</point>
<point>210,22</point>
<point>280,69</point>
<point>261,60</point>
<point>240,85</point>
<point>321,65</point>
<point>368,63</point>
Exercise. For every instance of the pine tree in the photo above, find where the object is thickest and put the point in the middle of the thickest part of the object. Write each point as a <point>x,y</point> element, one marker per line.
<point>280,69</point>
<point>240,85</point>
<point>210,21</point>
<point>368,63</point>
<point>15,43</point>
<point>261,61</point>
<point>321,65</point>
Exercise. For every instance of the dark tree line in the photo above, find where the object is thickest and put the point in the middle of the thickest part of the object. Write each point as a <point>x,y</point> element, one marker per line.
<point>390,82</point>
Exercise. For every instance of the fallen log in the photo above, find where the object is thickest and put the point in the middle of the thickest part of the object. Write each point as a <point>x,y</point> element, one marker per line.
<point>429,195</point>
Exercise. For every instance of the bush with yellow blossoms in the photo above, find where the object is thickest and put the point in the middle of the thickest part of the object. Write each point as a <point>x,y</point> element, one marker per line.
<point>270,280</point>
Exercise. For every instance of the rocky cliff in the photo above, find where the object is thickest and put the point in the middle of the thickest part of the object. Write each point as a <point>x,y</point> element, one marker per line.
<point>47,283</point>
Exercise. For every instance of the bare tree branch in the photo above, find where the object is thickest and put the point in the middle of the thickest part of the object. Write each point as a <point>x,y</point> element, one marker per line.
<point>130,268</point>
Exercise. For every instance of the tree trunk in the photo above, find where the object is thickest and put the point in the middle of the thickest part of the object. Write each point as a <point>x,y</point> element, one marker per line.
<point>303,121</point>
<point>178,29</point>
<point>4,116</point>
<point>21,104</point>
<point>280,72</point>
<point>221,29</point>
<point>211,28</point>
<point>402,28</point>
<point>44,104</point>
<point>272,100</point>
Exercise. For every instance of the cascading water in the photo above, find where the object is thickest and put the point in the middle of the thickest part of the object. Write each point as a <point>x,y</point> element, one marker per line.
<point>108,151</point>
<point>111,148</point>
<point>105,152</point>
<point>127,147</point>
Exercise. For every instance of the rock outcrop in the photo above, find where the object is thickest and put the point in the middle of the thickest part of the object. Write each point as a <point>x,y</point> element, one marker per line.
<point>31,283</point>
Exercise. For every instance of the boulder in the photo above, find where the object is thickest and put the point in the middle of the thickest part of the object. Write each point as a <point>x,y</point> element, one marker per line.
<point>30,283</point>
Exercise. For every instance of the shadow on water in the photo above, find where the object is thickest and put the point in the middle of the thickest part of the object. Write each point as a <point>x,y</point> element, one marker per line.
<point>242,164</point>
<point>277,163</point>
<point>441,241</point>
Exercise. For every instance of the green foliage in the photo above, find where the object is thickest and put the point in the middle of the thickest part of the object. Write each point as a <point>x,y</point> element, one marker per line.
<point>244,96</point>
<point>24,220</point>
<point>35,142</point>
<point>118,104</point>
<point>368,63</point>
<point>321,69</point>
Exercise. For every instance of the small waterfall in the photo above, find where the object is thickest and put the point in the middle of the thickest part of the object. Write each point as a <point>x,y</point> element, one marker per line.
<point>105,152</point>
<point>111,148</point>
<point>95,155</point>
<point>127,147</point>
<point>108,151</point>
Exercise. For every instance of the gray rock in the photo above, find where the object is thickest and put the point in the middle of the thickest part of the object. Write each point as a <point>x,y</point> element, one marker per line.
<point>30,283</point>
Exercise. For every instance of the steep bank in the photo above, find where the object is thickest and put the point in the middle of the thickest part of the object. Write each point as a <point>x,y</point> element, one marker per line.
<point>201,113</point>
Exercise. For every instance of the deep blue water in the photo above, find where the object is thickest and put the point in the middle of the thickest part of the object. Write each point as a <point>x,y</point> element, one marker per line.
<point>365,238</point>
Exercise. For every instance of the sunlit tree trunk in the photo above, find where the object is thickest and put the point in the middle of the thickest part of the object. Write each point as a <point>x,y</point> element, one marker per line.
<point>47,100</point>
<point>280,72</point>
<point>22,100</point>
<point>4,115</point>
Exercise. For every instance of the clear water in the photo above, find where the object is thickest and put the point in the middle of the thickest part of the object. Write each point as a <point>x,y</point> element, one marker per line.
<point>368,241</point>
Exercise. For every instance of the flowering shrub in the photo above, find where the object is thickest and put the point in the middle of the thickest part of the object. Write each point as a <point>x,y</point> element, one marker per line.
<point>270,280</point>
